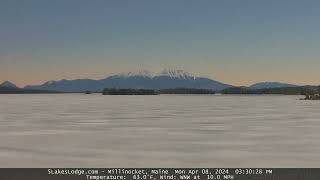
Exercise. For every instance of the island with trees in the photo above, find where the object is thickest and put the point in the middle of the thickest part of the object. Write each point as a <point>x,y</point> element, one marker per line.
<point>282,90</point>
<point>15,90</point>
<point>310,92</point>
<point>186,91</point>
<point>114,91</point>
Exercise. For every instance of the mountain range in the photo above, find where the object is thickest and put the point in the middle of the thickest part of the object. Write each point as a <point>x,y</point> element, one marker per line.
<point>166,79</point>
<point>269,85</point>
<point>8,84</point>
<point>10,88</point>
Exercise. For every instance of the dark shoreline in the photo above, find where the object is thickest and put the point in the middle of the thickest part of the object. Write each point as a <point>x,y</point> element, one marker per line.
<point>310,92</point>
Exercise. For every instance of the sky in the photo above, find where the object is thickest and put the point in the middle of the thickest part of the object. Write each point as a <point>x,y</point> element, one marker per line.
<point>239,42</point>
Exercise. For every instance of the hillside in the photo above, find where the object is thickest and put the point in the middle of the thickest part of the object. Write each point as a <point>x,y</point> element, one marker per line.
<point>268,85</point>
<point>301,90</point>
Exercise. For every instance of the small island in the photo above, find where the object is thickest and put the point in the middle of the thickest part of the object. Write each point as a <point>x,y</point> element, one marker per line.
<point>16,90</point>
<point>114,91</point>
<point>88,92</point>
<point>312,94</point>
<point>186,91</point>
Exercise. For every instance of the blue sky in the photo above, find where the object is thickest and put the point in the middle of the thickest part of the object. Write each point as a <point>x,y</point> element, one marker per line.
<point>235,41</point>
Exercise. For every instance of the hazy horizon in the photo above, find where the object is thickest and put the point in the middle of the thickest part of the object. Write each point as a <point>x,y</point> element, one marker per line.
<point>234,42</point>
<point>152,74</point>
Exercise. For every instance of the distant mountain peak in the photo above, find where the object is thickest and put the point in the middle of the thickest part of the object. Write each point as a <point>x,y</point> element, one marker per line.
<point>176,73</point>
<point>50,82</point>
<point>8,84</point>
<point>172,73</point>
<point>144,73</point>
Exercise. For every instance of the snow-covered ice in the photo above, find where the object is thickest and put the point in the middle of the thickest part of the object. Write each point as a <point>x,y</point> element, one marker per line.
<point>76,130</point>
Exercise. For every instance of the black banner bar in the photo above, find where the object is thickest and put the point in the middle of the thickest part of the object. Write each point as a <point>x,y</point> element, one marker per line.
<point>160,174</point>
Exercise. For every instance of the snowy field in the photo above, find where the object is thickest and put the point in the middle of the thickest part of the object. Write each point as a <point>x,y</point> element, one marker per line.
<point>77,130</point>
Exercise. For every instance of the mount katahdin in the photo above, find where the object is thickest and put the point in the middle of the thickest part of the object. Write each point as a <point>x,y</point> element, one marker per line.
<point>166,79</point>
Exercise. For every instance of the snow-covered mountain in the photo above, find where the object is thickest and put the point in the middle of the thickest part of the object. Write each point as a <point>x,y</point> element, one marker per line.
<point>166,79</point>
<point>176,74</point>
<point>268,85</point>
<point>8,84</point>
<point>172,73</point>
<point>142,73</point>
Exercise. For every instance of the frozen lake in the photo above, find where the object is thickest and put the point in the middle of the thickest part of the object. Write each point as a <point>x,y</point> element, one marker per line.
<point>77,130</point>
